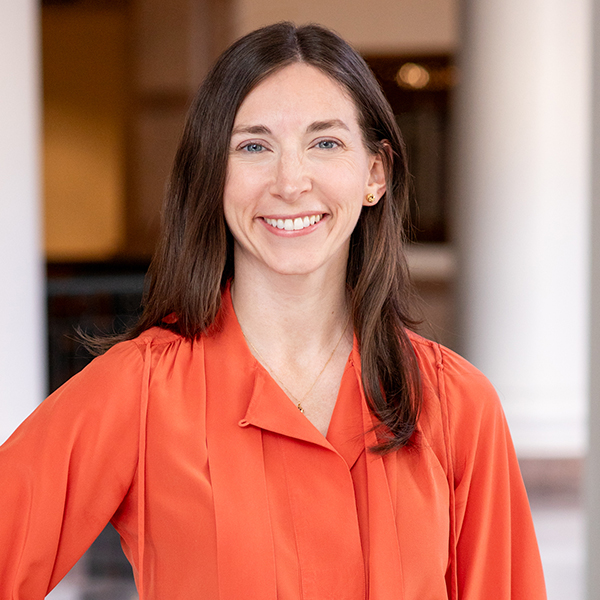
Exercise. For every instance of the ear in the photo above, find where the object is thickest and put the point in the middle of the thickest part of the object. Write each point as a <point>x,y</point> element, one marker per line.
<point>376,183</point>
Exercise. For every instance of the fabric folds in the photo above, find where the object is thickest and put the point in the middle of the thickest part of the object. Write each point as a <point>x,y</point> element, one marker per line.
<point>221,489</point>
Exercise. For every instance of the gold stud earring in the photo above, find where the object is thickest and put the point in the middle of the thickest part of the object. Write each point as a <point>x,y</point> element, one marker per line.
<point>370,198</point>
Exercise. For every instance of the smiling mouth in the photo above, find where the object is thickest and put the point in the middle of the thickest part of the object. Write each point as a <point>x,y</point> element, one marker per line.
<point>293,224</point>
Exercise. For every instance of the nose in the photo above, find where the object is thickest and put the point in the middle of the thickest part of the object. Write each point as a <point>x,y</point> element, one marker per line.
<point>291,179</point>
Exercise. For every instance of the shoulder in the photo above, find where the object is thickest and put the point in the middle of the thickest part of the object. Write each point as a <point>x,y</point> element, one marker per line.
<point>155,337</point>
<point>118,372</point>
<point>152,343</point>
<point>453,379</point>
<point>461,410</point>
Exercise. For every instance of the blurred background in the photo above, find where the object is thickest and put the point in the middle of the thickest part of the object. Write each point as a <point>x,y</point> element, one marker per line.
<point>497,103</point>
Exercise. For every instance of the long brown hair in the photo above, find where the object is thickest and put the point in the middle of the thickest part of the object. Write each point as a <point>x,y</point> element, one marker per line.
<point>194,258</point>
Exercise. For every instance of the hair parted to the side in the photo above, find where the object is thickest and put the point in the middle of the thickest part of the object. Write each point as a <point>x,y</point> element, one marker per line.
<point>194,258</point>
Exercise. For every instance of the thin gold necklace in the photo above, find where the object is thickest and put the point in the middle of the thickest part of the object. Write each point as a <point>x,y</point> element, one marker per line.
<point>287,391</point>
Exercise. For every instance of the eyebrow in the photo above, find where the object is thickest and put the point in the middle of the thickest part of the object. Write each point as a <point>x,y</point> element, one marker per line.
<point>312,128</point>
<point>252,129</point>
<point>323,125</point>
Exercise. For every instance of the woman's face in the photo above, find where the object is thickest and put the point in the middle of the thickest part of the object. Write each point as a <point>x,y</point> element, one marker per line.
<point>298,174</point>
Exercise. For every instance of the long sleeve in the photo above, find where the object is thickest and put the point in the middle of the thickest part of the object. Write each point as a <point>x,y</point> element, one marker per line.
<point>65,471</point>
<point>496,550</point>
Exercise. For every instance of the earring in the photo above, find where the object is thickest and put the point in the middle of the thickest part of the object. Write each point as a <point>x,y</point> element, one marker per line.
<point>370,198</point>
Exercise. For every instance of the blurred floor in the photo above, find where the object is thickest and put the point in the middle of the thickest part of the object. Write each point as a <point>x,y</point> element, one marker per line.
<point>560,531</point>
<point>554,488</point>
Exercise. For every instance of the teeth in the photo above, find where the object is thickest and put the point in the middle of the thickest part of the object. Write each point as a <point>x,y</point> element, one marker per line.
<point>294,224</point>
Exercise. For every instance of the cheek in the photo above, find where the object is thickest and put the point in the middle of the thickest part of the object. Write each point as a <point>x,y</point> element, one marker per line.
<point>245,183</point>
<point>233,194</point>
<point>231,204</point>
<point>348,175</point>
<point>238,206</point>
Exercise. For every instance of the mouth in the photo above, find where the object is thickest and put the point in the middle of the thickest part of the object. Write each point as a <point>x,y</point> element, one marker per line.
<point>295,224</point>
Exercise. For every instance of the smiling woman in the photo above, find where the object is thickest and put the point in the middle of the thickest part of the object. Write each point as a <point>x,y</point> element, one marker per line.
<point>298,159</point>
<point>271,428</point>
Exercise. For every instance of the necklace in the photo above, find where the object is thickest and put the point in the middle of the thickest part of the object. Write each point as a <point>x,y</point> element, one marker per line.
<point>287,391</point>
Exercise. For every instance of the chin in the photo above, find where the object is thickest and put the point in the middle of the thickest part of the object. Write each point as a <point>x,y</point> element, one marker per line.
<point>294,269</point>
<point>306,262</point>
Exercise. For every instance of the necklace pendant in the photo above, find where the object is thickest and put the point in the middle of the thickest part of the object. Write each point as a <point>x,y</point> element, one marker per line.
<point>291,396</point>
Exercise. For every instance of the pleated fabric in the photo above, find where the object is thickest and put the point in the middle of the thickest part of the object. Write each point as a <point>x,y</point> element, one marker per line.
<point>221,489</point>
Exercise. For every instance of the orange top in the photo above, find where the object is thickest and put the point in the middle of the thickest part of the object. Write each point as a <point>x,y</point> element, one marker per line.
<point>227,491</point>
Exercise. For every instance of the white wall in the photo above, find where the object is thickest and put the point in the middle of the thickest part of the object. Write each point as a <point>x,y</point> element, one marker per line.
<point>22,340</point>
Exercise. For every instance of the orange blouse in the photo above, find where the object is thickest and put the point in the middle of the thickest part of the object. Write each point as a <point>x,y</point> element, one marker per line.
<point>221,489</point>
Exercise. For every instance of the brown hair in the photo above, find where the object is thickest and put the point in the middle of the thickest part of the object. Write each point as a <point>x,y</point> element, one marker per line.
<point>194,258</point>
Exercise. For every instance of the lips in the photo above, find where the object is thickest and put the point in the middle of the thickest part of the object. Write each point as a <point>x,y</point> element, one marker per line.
<point>295,224</point>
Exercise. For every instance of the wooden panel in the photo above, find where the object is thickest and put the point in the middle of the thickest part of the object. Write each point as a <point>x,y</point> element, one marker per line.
<point>84,130</point>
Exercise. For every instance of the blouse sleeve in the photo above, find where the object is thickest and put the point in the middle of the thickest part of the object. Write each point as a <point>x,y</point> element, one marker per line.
<point>496,551</point>
<point>65,470</point>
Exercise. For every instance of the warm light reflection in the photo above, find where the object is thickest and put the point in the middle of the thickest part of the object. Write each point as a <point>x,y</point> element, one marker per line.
<point>412,75</point>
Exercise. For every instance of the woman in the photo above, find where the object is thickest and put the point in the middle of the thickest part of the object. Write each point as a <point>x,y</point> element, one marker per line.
<point>271,429</point>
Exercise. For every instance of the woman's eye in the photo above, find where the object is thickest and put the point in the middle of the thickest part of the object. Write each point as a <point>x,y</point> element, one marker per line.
<point>253,147</point>
<point>327,144</point>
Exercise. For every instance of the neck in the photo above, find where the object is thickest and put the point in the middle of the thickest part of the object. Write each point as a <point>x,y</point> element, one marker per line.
<point>290,315</point>
<point>297,327</point>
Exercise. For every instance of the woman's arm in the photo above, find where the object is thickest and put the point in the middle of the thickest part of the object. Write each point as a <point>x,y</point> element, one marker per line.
<point>65,470</point>
<point>496,552</point>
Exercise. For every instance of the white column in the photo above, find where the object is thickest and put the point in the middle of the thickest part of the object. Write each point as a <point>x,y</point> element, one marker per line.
<point>22,339</point>
<point>521,218</point>
<point>593,460</point>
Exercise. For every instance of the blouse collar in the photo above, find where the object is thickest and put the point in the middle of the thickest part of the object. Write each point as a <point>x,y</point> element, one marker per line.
<point>269,408</point>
